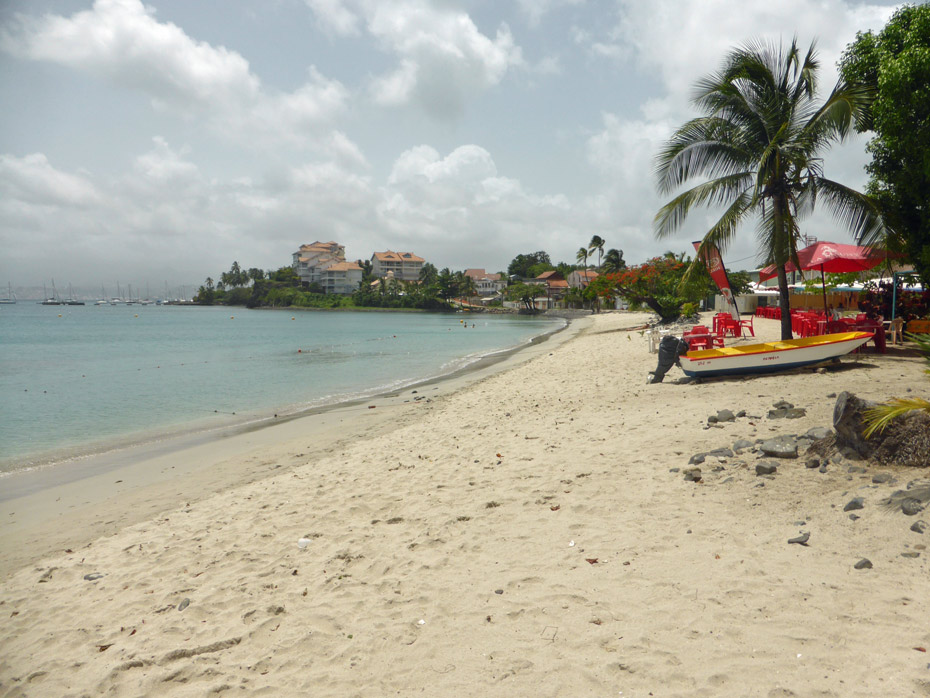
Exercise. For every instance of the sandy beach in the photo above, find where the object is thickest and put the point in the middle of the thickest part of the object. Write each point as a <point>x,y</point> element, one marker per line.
<point>522,531</point>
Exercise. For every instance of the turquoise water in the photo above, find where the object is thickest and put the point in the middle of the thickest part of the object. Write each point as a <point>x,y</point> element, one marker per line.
<point>78,379</point>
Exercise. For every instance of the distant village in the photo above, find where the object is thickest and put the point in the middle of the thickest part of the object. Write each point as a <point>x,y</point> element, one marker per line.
<point>323,264</point>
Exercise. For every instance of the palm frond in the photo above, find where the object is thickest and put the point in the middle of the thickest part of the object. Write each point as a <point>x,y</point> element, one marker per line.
<point>857,212</point>
<point>723,190</point>
<point>880,416</point>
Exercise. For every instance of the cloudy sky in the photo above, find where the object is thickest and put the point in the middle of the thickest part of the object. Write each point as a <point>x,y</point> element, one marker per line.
<point>155,142</point>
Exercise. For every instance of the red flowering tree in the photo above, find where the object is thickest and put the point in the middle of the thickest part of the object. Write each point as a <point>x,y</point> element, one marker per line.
<point>656,284</point>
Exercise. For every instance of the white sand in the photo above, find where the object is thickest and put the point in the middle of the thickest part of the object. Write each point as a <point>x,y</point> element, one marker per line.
<point>695,591</point>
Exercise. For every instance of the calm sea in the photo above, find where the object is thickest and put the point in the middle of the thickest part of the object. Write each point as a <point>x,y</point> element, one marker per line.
<point>79,379</point>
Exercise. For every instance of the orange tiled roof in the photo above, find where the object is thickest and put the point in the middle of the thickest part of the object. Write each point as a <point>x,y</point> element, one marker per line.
<point>344,266</point>
<point>391,256</point>
<point>557,283</point>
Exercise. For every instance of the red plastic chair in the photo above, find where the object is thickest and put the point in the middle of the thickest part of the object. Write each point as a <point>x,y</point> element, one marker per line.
<point>746,325</point>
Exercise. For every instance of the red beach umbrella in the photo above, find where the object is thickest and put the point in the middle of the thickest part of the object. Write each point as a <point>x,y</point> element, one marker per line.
<point>834,258</point>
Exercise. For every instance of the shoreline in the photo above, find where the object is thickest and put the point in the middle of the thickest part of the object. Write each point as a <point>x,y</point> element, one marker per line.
<point>217,426</point>
<point>41,505</point>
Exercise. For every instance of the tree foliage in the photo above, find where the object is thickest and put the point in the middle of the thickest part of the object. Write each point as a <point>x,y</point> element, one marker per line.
<point>522,264</point>
<point>757,152</point>
<point>658,284</point>
<point>895,64</point>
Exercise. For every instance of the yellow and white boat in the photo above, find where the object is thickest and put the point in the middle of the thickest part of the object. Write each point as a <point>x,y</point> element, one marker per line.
<point>770,357</point>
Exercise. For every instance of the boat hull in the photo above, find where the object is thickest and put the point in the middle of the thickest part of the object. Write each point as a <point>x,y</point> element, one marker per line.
<point>770,357</point>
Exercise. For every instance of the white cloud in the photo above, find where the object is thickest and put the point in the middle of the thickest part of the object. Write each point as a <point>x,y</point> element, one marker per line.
<point>31,180</point>
<point>443,59</point>
<point>121,41</point>
<point>335,16</point>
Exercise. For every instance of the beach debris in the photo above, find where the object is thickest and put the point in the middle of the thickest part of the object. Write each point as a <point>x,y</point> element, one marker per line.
<point>489,505</point>
<point>721,416</point>
<point>784,446</point>
<point>863,564</point>
<point>919,526</point>
<point>812,463</point>
<point>693,474</point>
<point>854,504</point>
<point>591,560</point>
<point>104,648</point>
<point>303,543</point>
<point>48,575</point>
<point>911,507</point>
<point>766,468</point>
<point>571,544</point>
<point>854,517</point>
<point>184,604</point>
<point>801,540</point>
<point>498,591</point>
<point>92,577</point>
<point>421,622</point>
<point>555,507</point>
<point>920,649</point>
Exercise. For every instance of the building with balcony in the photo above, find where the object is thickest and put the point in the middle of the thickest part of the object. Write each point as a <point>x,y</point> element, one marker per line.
<point>405,265</point>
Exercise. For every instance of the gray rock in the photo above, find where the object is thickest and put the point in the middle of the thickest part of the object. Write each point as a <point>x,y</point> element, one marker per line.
<point>741,445</point>
<point>919,526</point>
<point>725,416</point>
<point>766,468</point>
<point>910,554</point>
<point>741,413</point>
<point>729,479</point>
<point>812,463</point>
<point>782,405</point>
<point>831,394</point>
<point>674,470</point>
<point>498,591</point>
<point>712,420</point>
<point>93,576</point>
<point>696,459</point>
<point>780,447</point>
<point>822,469</point>
<point>801,540</point>
<point>881,478</point>
<point>863,564</point>
<point>692,474</point>
<point>184,604</point>
<point>854,504</point>
<point>854,517</point>
<point>855,469</point>
<point>721,453</point>
<point>911,507</point>
<point>818,433</point>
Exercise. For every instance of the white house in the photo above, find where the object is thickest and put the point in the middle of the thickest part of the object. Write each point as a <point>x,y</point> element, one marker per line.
<point>341,277</point>
<point>311,260</point>
<point>580,278</point>
<point>405,265</point>
<point>485,284</point>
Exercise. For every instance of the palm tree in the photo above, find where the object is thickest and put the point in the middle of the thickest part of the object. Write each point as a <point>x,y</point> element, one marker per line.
<point>613,261</point>
<point>597,243</point>
<point>759,146</point>
<point>582,256</point>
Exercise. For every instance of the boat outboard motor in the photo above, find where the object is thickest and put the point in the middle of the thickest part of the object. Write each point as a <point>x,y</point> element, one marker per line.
<point>670,348</point>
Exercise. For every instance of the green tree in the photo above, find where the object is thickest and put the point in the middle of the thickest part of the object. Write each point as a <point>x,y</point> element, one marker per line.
<point>895,63</point>
<point>582,257</point>
<point>525,293</point>
<point>758,147</point>
<point>660,284</point>
<point>522,263</point>
<point>256,274</point>
<point>428,274</point>
<point>597,243</point>
<point>613,261</point>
